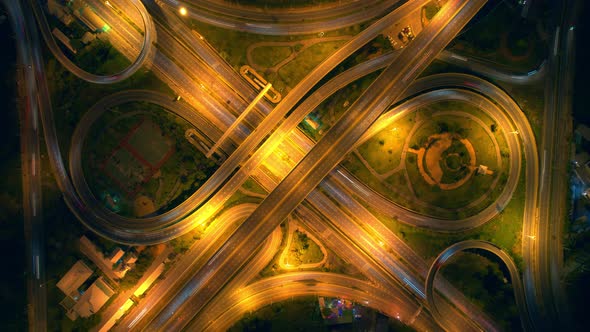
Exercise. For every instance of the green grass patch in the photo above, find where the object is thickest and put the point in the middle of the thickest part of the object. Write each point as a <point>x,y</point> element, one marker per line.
<point>306,61</point>
<point>182,243</point>
<point>531,101</point>
<point>149,141</point>
<point>236,199</point>
<point>332,109</point>
<point>232,45</point>
<point>376,152</point>
<point>477,185</point>
<point>270,56</point>
<point>303,250</point>
<point>504,230</point>
<point>383,151</point>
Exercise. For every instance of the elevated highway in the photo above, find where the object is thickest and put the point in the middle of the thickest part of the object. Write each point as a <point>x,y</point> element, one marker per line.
<point>284,21</point>
<point>254,228</point>
<point>149,37</point>
<point>443,257</point>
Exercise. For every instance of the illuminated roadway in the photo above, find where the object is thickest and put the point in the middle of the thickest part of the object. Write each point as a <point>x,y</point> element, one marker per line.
<point>121,234</point>
<point>302,20</point>
<point>527,159</point>
<point>81,73</point>
<point>83,129</point>
<point>180,284</point>
<point>254,229</point>
<point>544,256</point>
<point>482,67</point>
<point>446,254</point>
<point>285,286</point>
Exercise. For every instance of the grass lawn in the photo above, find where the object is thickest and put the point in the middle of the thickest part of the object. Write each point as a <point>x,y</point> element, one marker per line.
<point>270,56</point>
<point>331,109</point>
<point>431,9</point>
<point>239,198</point>
<point>179,176</point>
<point>477,185</point>
<point>376,152</point>
<point>383,151</point>
<point>149,141</point>
<point>504,230</point>
<point>233,45</point>
<point>531,100</point>
<point>253,186</point>
<point>306,61</point>
<point>303,250</point>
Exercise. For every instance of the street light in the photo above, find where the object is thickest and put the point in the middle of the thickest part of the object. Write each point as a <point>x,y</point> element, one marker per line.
<point>182,11</point>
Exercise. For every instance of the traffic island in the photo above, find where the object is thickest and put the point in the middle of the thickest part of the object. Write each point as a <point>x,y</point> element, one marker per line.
<point>140,164</point>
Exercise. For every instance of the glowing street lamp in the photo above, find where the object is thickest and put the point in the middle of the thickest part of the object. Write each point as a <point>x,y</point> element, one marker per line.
<point>183,11</point>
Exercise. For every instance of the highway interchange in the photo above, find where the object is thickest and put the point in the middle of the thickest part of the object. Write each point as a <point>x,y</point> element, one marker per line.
<point>310,165</point>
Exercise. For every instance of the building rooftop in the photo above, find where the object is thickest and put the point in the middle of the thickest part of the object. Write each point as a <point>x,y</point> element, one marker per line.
<point>93,299</point>
<point>74,278</point>
<point>116,255</point>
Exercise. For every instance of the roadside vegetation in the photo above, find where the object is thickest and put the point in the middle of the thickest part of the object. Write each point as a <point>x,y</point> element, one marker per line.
<point>146,143</point>
<point>380,165</point>
<point>303,314</point>
<point>330,110</point>
<point>72,97</point>
<point>308,51</point>
<point>503,37</point>
<point>303,250</point>
<point>485,281</point>
<point>63,232</point>
<point>504,230</point>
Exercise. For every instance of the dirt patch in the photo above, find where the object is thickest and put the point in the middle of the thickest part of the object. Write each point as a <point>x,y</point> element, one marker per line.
<point>430,159</point>
<point>143,205</point>
<point>434,153</point>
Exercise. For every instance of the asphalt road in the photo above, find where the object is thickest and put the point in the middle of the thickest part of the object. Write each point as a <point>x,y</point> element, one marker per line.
<point>37,7</point>
<point>285,286</point>
<point>30,65</point>
<point>544,257</point>
<point>121,234</point>
<point>446,254</point>
<point>287,21</point>
<point>528,186</point>
<point>253,230</point>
